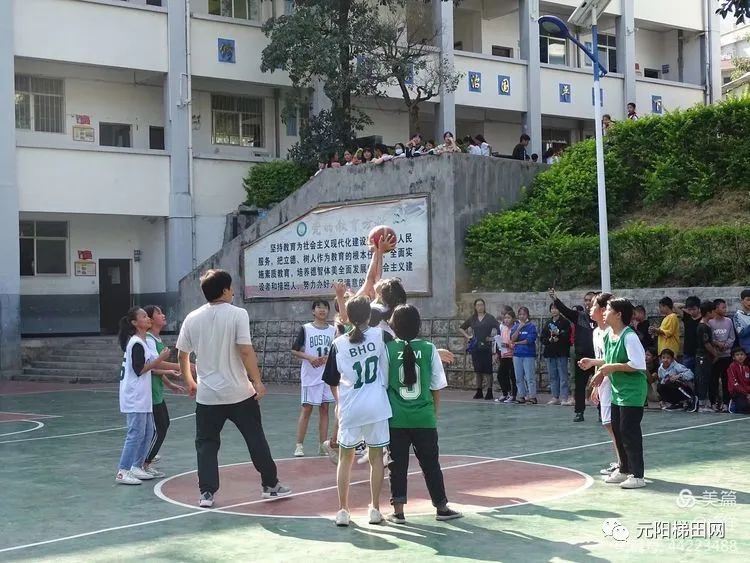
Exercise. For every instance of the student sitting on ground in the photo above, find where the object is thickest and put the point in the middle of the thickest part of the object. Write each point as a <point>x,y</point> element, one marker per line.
<point>739,383</point>
<point>675,382</point>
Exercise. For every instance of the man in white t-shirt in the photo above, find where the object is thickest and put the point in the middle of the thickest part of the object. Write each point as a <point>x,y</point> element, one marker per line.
<point>219,334</point>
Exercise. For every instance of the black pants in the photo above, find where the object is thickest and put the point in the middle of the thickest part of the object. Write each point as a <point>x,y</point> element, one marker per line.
<point>506,377</point>
<point>209,420</point>
<point>719,376</point>
<point>626,425</point>
<point>674,392</point>
<point>741,404</point>
<point>703,370</point>
<point>581,380</point>
<point>161,425</point>
<point>425,444</point>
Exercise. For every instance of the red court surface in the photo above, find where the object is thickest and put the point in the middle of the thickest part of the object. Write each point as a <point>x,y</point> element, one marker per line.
<point>474,484</point>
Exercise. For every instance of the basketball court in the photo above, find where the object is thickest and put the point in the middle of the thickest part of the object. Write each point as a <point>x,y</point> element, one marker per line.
<point>526,478</point>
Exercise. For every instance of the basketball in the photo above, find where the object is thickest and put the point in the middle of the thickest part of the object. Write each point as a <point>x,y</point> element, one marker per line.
<point>377,233</point>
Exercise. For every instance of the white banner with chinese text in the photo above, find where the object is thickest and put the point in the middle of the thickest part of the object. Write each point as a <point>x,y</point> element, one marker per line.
<point>304,257</point>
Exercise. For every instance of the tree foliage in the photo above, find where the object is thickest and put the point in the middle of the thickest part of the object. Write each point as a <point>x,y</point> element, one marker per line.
<point>740,9</point>
<point>353,49</point>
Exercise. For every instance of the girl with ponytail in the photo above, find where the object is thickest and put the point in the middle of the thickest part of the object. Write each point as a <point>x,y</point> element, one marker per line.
<point>135,396</point>
<point>356,370</point>
<point>415,377</point>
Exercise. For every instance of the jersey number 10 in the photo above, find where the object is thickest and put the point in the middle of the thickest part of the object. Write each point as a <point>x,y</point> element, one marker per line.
<point>370,371</point>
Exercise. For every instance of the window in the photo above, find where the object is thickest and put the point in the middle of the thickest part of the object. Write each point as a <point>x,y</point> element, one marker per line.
<point>298,120</point>
<point>156,138</point>
<point>240,9</point>
<point>237,120</point>
<point>608,52</point>
<point>498,51</point>
<point>552,50</point>
<point>44,247</point>
<point>114,135</point>
<point>153,2</point>
<point>458,45</point>
<point>288,7</point>
<point>40,104</point>
<point>650,73</point>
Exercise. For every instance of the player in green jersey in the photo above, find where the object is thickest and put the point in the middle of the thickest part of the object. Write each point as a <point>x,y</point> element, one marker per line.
<point>415,377</point>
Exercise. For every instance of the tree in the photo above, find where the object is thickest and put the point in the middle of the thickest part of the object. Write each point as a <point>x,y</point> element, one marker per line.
<point>342,44</point>
<point>739,8</point>
<point>406,57</point>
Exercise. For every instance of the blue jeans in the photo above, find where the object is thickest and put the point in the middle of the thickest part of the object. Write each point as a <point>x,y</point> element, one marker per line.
<point>689,362</point>
<point>525,369</point>
<point>558,377</point>
<point>137,440</point>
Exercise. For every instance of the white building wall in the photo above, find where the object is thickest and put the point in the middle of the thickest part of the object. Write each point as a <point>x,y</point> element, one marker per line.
<point>117,182</point>
<point>685,14</point>
<point>114,35</point>
<point>502,31</point>
<point>104,97</point>
<point>107,237</point>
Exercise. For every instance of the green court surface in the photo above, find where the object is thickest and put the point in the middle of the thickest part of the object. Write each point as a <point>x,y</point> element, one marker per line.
<point>525,476</point>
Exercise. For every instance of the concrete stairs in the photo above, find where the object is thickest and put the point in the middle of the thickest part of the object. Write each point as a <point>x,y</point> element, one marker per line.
<point>89,359</point>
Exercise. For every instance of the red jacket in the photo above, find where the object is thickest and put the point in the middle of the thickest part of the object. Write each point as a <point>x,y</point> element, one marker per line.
<point>739,379</point>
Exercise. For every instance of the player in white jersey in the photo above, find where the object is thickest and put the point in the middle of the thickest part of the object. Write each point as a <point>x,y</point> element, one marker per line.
<point>602,394</point>
<point>357,371</point>
<point>312,346</point>
<point>135,396</point>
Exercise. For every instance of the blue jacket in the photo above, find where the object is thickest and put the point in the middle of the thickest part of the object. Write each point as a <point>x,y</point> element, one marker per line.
<point>528,350</point>
<point>742,328</point>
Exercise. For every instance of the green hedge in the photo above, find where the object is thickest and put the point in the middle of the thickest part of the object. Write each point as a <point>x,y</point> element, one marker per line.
<point>641,256</point>
<point>268,183</point>
<point>549,238</point>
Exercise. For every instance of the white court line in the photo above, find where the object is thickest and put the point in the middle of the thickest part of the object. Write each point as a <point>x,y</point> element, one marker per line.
<point>82,433</point>
<point>225,510</point>
<point>31,414</point>
<point>187,514</point>
<point>37,427</point>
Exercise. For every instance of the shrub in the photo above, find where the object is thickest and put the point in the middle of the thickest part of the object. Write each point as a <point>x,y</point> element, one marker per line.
<point>549,237</point>
<point>268,183</point>
<point>640,256</point>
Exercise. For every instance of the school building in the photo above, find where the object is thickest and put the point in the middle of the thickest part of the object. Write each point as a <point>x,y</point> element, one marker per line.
<point>128,126</point>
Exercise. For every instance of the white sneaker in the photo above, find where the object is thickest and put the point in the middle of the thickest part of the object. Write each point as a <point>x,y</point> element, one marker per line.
<point>333,453</point>
<point>206,500</point>
<point>157,459</point>
<point>322,450</point>
<point>375,516</point>
<point>364,457</point>
<point>609,469</point>
<point>299,451</point>
<point>342,518</point>
<point>633,483</point>
<point>616,477</point>
<point>124,477</point>
<point>140,473</point>
<point>155,473</point>
<point>387,457</point>
<point>568,403</point>
<point>554,402</point>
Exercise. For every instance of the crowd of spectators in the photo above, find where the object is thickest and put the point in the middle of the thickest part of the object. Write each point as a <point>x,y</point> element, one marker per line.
<point>696,355</point>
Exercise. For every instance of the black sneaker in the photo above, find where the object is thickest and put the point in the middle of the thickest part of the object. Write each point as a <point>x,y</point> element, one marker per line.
<point>488,396</point>
<point>674,407</point>
<point>276,492</point>
<point>479,394</point>
<point>396,518</point>
<point>446,513</point>
<point>206,500</point>
<point>578,417</point>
